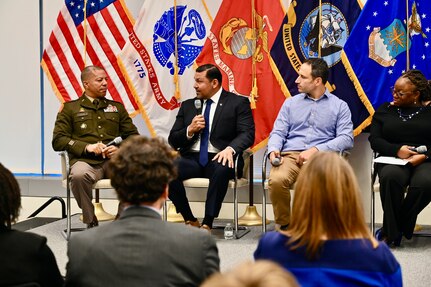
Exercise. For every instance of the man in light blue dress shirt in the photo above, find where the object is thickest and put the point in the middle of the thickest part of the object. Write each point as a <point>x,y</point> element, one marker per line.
<point>314,120</point>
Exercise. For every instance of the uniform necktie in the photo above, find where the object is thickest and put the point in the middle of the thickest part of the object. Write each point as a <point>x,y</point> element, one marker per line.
<point>96,103</point>
<point>203,151</point>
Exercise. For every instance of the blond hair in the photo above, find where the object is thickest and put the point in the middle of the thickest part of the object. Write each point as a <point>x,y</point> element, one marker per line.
<point>261,273</point>
<point>327,204</point>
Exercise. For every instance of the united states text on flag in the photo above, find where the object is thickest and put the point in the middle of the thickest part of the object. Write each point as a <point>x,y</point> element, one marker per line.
<point>301,37</point>
<point>158,58</point>
<point>88,32</point>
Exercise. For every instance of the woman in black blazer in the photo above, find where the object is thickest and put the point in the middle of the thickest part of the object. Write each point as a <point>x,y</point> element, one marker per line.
<point>25,257</point>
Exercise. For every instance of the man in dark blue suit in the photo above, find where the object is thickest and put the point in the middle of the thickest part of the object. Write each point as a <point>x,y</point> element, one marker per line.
<point>210,131</point>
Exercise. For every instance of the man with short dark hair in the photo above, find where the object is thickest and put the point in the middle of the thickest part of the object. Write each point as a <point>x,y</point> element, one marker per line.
<point>209,137</point>
<point>83,128</point>
<point>140,249</point>
<point>314,120</point>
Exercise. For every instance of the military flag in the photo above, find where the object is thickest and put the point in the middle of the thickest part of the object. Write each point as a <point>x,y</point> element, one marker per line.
<point>88,32</point>
<point>158,58</point>
<point>239,43</point>
<point>301,37</point>
<point>390,37</point>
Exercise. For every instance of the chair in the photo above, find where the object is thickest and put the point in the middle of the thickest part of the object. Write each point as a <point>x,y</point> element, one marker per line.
<point>375,187</point>
<point>344,153</point>
<point>234,184</point>
<point>98,209</point>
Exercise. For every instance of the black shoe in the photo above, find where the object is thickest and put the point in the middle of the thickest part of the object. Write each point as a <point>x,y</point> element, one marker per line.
<point>92,224</point>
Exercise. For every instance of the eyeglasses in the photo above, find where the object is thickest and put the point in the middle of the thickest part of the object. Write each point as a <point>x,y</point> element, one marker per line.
<point>400,94</point>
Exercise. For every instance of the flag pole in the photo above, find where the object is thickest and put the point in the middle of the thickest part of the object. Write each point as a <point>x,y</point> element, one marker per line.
<point>85,34</point>
<point>320,32</point>
<point>407,36</point>
<point>251,216</point>
<point>176,77</point>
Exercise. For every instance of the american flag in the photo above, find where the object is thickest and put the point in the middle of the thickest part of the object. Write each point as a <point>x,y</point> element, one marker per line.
<point>88,32</point>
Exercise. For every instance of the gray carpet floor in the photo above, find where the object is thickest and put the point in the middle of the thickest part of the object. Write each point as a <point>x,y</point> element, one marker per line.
<point>414,255</point>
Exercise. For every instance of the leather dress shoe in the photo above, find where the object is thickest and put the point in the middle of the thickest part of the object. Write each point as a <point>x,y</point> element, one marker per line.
<point>390,243</point>
<point>92,224</point>
<point>206,227</point>
<point>193,223</point>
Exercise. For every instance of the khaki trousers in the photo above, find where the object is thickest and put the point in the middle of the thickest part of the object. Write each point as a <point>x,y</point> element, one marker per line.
<point>280,181</point>
<point>82,178</point>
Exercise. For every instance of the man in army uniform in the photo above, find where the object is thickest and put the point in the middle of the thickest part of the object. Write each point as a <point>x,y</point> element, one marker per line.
<point>83,128</point>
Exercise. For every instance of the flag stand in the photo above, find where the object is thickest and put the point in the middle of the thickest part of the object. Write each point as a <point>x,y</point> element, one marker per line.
<point>251,217</point>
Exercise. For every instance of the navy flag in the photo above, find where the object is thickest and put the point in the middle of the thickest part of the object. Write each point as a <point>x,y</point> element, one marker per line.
<point>386,41</point>
<point>298,39</point>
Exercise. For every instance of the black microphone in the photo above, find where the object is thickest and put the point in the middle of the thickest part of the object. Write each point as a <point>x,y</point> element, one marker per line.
<point>276,161</point>
<point>115,141</point>
<point>419,149</point>
<point>198,106</point>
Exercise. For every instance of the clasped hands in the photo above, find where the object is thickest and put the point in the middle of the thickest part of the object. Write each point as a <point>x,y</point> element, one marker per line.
<point>302,157</point>
<point>101,149</point>
<point>411,156</point>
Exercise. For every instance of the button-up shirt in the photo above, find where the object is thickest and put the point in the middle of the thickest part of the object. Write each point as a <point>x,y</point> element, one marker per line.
<point>304,122</point>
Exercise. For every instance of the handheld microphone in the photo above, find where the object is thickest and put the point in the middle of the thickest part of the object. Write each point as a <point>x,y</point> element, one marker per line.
<point>419,149</point>
<point>276,161</point>
<point>198,106</point>
<point>115,141</point>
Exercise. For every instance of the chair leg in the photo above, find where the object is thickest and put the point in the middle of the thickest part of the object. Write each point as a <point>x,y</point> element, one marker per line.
<point>373,213</point>
<point>68,231</point>
<point>240,231</point>
<point>263,209</point>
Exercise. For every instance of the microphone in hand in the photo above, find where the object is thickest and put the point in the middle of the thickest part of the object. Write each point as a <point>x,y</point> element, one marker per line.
<point>419,149</point>
<point>115,141</point>
<point>198,106</point>
<point>276,161</point>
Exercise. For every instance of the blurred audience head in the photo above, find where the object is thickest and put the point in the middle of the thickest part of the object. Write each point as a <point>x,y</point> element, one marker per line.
<point>327,204</point>
<point>261,273</point>
<point>141,170</point>
<point>10,197</point>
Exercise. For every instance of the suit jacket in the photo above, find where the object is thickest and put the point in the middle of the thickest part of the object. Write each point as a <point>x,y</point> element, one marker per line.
<point>140,249</point>
<point>25,258</point>
<point>79,123</point>
<point>233,124</point>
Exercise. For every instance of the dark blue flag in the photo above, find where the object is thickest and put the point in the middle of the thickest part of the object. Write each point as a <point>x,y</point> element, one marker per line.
<point>298,40</point>
<point>379,49</point>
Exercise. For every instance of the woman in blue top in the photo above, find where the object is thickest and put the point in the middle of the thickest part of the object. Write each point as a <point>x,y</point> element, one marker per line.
<point>328,242</point>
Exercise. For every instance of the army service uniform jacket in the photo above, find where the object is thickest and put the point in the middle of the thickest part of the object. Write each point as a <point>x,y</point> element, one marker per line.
<point>80,123</point>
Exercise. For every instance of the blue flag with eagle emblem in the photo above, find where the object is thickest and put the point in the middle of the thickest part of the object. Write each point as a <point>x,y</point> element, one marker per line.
<point>377,52</point>
<point>298,39</point>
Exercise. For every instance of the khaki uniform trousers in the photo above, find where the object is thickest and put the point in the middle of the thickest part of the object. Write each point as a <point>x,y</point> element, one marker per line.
<point>82,178</point>
<point>281,180</point>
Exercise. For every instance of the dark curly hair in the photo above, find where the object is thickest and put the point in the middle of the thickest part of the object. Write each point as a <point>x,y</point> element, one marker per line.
<point>420,82</point>
<point>10,197</point>
<point>141,169</point>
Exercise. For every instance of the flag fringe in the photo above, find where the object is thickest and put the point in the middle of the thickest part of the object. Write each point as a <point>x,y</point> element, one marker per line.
<point>362,96</point>
<point>51,80</point>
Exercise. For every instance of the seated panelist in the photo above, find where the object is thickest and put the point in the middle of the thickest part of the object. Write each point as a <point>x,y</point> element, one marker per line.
<point>210,131</point>
<point>401,129</point>
<point>86,129</point>
<point>314,120</point>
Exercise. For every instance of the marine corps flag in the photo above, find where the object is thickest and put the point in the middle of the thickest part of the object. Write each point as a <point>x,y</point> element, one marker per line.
<point>301,37</point>
<point>384,44</point>
<point>239,43</point>
<point>158,58</point>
